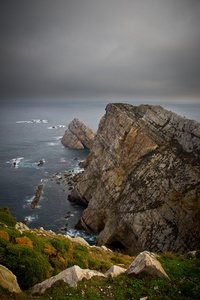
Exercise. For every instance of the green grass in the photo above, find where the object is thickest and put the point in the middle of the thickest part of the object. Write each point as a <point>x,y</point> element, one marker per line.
<point>49,256</point>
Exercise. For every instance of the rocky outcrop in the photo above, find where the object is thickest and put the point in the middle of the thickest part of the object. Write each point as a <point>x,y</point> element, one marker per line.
<point>37,196</point>
<point>146,262</point>
<point>142,181</point>
<point>78,135</point>
<point>8,280</point>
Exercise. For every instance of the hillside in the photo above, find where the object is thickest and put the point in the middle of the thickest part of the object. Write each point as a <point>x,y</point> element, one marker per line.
<point>35,254</point>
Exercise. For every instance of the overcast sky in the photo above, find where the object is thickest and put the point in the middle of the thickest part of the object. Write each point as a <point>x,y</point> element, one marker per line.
<point>98,48</point>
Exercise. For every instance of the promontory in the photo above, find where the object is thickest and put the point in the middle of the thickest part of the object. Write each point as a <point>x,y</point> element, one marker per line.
<point>141,182</point>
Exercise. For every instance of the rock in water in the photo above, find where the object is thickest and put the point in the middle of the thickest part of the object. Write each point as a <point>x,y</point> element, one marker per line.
<point>8,280</point>
<point>78,135</point>
<point>142,181</point>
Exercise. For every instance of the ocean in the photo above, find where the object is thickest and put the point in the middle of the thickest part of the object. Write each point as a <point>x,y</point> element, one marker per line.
<point>31,131</point>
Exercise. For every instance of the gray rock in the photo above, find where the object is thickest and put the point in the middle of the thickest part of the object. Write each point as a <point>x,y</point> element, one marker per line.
<point>115,271</point>
<point>147,262</point>
<point>78,135</point>
<point>71,276</point>
<point>141,182</point>
<point>8,280</point>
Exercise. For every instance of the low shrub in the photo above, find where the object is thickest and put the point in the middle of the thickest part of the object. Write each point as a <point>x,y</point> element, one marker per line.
<point>61,245</point>
<point>49,250</point>
<point>28,265</point>
<point>24,241</point>
<point>117,260</point>
<point>4,235</point>
<point>6,218</point>
<point>38,241</point>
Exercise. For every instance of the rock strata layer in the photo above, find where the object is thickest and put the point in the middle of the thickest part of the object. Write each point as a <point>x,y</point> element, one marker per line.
<point>78,135</point>
<point>142,181</point>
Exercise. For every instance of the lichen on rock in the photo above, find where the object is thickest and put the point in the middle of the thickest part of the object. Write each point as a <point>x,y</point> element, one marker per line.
<point>141,181</point>
<point>78,135</point>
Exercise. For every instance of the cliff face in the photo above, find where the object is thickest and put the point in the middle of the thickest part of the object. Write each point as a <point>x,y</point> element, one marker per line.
<point>142,180</point>
<point>78,135</point>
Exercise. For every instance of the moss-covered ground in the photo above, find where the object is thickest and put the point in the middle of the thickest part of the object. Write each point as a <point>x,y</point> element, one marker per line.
<point>33,259</point>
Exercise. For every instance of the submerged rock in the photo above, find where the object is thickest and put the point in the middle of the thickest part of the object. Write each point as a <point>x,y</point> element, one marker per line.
<point>142,181</point>
<point>78,135</point>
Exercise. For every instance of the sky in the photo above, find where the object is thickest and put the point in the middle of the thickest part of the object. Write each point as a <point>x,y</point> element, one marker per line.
<point>100,48</point>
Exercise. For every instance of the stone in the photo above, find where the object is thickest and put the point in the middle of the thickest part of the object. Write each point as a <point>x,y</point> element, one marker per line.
<point>141,181</point>
<point>80,241</point>
<point>37,196</point>
<point>21,227</point>
<point>147,262</point>
<point>115,271</point>
<point>78,135</point>
<point>41,162</point>
<point>71,276</point>
<point>8,280</point>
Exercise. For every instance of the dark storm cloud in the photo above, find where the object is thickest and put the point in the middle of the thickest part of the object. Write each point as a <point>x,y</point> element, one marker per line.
<point>91,47</point>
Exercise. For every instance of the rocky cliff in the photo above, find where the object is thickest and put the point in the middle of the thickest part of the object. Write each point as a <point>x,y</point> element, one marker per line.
<point>142,180</point>
<point>78,135</point>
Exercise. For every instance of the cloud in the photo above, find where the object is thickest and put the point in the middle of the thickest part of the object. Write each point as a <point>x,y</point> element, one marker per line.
<point>100,47</point>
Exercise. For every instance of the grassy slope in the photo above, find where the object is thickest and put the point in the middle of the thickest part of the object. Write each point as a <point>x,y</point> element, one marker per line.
<point>56,254</point>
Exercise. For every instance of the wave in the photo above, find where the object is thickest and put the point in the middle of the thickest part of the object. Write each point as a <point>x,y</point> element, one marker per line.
<point>89,237</point>
<point>21,162</point>
<point>52,143</point>
<point>31,218</point>
<point>33,121</point>
<point>15,161</point>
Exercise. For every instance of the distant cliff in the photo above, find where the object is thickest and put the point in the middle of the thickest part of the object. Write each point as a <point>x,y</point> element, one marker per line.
<point>78,135</point>
<point>142,180</point>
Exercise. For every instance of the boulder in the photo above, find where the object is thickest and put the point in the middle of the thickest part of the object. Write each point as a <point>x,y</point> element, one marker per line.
<point>147,262</point>
<point>115,271</point>
<point>78,135</point>
<point>8,280</point>
<point>71,276</point>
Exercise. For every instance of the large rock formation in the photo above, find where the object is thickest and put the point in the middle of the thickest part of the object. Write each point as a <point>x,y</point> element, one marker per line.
<point>78,135</point>
<point>142,180</point>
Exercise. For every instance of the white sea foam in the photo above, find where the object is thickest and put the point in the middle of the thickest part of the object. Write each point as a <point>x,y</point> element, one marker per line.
<point>21,162</point>
<point>31,218</point>
<point>52,144</point>
<point>33,121</point>
<point>62,159</point>
<point>15,161</point>
<point>52,127</point>
<point>57,138</point>
<point>91,238</point>
<point>61,126</point>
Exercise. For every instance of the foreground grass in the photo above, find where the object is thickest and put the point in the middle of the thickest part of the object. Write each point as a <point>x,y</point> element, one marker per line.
<point>33,258</point>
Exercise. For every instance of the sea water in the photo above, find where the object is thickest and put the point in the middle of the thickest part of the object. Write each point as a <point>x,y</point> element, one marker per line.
<point>32,131</point>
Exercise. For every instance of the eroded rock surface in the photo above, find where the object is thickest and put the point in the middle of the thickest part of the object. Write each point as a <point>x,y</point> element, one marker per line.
<point>78,135</point>
<point>8,280</point>
<point>147,262</point>
<point>71,276</point>
<point>142,180</point>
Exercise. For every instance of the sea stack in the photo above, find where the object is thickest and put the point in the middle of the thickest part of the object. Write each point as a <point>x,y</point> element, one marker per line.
<point>78,135</point>
<point>141,182</point>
